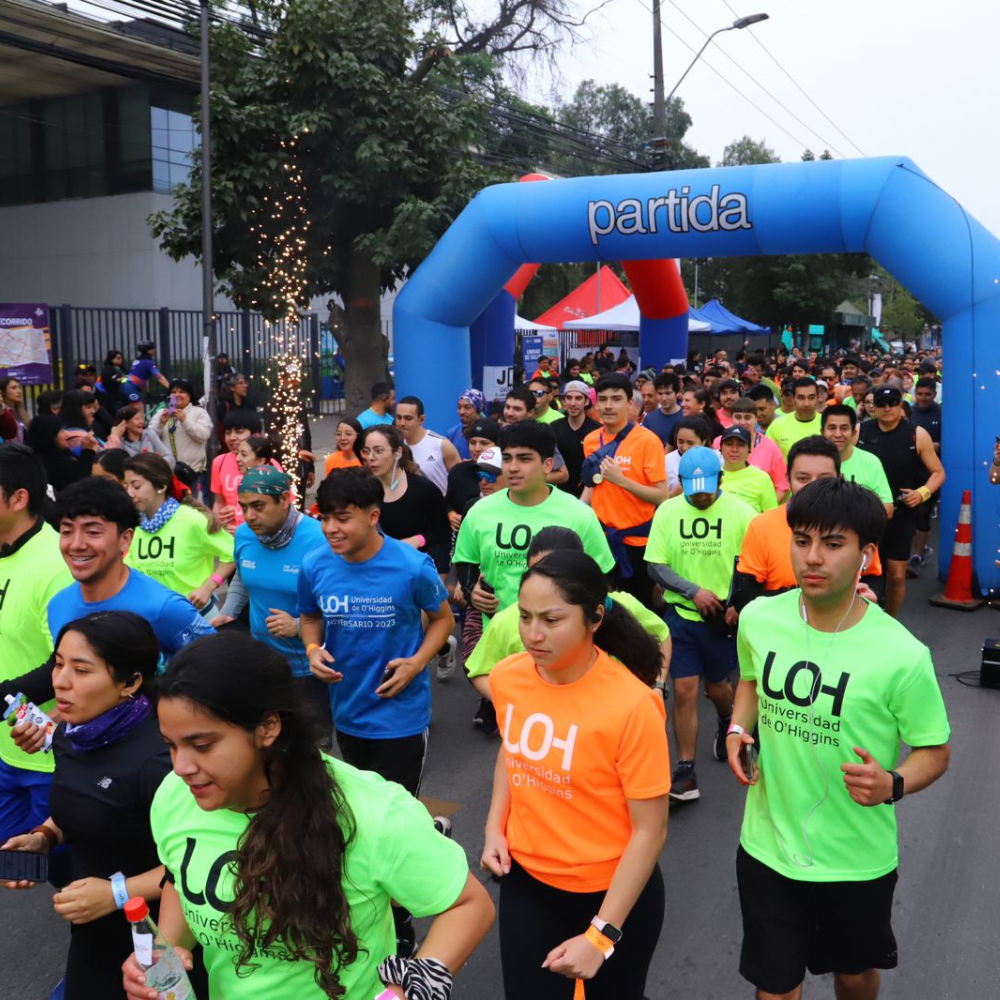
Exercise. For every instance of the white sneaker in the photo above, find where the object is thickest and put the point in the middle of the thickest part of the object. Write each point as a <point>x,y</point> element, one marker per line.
<point>446,662</point>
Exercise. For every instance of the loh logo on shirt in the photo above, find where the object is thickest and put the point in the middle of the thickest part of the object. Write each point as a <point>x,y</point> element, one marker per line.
<point>794,707</point>
<point>359,611</point>
<point>535,742</point>
<point>3,594</point>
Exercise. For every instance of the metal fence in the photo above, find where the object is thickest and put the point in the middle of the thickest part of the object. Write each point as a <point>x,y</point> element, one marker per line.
<point>87,334</point>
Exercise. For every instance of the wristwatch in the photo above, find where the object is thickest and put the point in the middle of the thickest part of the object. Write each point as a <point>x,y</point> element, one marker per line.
<point>897,788</point>
<point>612,933</point>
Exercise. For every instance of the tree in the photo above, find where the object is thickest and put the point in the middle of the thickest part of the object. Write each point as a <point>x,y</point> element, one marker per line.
<point>746,151</point>
<point>342,149</point>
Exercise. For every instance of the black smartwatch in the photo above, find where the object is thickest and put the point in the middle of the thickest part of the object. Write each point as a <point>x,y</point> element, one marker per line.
<point>612,933</point>
<point>897,788</point>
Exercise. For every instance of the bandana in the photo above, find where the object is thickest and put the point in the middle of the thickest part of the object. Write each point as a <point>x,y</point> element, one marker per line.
<point>475,397</point>
<point>160,518</point>
<point>111,726</point>
<point>266,479</point>
<point>284,534</point>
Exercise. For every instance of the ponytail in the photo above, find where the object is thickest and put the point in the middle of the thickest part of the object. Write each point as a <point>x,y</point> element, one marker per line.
<point>580,581</point>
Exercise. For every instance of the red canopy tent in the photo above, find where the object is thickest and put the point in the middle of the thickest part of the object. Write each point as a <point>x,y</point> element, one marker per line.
<point>584,301</point>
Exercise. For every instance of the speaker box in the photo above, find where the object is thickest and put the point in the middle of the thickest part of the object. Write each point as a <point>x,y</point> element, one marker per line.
<point>989,670</point>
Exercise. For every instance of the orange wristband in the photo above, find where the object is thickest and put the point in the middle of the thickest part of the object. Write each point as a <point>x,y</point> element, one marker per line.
<point>603,944</point>
<point>311,647</point>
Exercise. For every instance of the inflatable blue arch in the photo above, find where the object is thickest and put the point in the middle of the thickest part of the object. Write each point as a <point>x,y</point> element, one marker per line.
<point>884,206</point>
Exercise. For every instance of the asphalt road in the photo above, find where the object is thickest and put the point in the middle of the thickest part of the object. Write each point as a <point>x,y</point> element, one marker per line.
<point>947,909</point>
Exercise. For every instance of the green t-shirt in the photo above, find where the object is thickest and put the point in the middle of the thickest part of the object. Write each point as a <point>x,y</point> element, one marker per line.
<point>29,578</point>
<point>396,854</point>
<point>550,416</point>
<point>851,402</point>
<point>876,688</point>
<point>496,533</point>
<point>699,545</point>
<point>501,637</point>
<point>784,433</point>
<point>866,469</point>
<point>181,555</point>
<point>752,485</point>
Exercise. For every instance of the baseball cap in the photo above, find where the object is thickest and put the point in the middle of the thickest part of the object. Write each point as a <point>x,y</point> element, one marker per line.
<point>736,432</point>
<point>820,382</point>
<point>887,394</point>
<point>928,367</point>
<point>761,391</point>
<point>699,470</point>
<point>491,460</point>
<point>577,385</point>
<point>488,429</point>
<point>729,383</point>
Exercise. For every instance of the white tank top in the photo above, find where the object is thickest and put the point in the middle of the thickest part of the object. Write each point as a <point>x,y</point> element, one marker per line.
<point>430,457</point>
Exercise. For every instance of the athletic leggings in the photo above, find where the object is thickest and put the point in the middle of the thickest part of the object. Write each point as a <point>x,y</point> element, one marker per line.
<point>535,917</point>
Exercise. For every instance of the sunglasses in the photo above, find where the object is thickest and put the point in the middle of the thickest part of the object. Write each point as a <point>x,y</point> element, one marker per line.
<point>538,393</point>
<point>486,477</point>
<point>886,404</point>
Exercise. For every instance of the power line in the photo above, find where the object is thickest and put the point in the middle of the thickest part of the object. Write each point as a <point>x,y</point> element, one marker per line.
<point>796,84</point>
<point>776,100</point>
<point>728,82</point>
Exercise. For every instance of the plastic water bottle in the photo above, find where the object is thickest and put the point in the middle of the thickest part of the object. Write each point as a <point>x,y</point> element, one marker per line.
<point>162,966</point>
<point>19,710</point>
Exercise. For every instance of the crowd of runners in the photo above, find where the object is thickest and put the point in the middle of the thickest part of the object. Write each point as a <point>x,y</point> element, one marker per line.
<point>243,681</point>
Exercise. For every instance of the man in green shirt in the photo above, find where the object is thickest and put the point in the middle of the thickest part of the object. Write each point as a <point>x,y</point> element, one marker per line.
<point>543,390</point>
<point>803,421</point>
<point>692,549</point>
<point>32,572</point>
<point>840,424</point>
<point>742,479</point>
<point>834,686</point>
<point>493,541</point>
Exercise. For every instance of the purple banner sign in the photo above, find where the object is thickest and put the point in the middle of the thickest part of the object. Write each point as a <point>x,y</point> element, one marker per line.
<point>25,344</point>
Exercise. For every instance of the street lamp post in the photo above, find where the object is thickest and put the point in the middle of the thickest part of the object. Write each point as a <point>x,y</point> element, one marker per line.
<point>738,24</point>
<point>207,278</point>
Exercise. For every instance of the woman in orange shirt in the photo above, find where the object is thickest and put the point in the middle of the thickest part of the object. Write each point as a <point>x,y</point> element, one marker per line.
<point>579,810</point>
<point>348,432</point>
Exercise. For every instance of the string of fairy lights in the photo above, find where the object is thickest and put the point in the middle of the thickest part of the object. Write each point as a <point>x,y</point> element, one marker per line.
<point>280,226</point>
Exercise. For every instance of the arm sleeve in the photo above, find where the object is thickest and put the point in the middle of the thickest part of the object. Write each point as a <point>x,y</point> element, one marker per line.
<point>745,589</point>
<point>36,684</point>
<point>668,579</point>
<point>918,707</point>
<point>429,592</point>
<point>744,651</point>
<point>643,761</point>
<point>494,644</point>
<point>468,575</point>
<point>179,623</point>
<point>237,596</point>
<point>305,599</point>
<point>753,560</point>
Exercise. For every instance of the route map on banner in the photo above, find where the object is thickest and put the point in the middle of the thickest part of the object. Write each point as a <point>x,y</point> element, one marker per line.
<point>25,344</point>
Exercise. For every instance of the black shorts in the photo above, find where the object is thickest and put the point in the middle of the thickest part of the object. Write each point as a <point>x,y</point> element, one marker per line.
<point>790,926</point>
<point>400,759</point>
<point>924,512</point>
<point>897,539</point>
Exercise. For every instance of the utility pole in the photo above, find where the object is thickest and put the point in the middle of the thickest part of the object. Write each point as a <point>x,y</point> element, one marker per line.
<point>207,280</point>
<point>659,104</point>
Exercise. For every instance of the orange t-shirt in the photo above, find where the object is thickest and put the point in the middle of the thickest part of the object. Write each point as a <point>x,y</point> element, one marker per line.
<point>341,460</point>
<point>640,457</point>
<point>576,753</point>
<point>767,551</point>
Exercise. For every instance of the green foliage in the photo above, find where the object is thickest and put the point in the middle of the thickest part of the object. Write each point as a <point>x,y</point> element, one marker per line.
<point>746,151</point>
<point>384,160</point>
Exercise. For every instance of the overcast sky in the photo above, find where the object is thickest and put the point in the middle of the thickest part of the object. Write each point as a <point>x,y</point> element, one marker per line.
<point>900,77</point>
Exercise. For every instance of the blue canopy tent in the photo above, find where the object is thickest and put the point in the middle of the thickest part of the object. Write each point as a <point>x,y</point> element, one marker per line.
<point>728,330</point>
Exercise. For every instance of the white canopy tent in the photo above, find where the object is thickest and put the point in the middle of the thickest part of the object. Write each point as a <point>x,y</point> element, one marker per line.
<point>520,323</point>
<point>623,318</point>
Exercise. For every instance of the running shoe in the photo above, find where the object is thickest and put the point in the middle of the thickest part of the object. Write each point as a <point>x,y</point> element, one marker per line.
<point>443,826</point>
<point>926,554</point>
<point>446,662</point>
<point>486,717</point>
<point>719,746</point>
<point>684,783</point>
<point>913,566</point>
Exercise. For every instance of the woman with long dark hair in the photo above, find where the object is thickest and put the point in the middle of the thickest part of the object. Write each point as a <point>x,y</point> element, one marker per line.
<point>349,432</point>
<point>64,464</point>
<point>178,539</point>
<point>292,857</point>
<point>698,403</point>
<point>15,414</point>
<point>578,815</point>
<point>110,759</point>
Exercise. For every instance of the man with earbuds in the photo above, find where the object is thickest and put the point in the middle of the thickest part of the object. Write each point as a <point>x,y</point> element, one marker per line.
<point>834,685</point>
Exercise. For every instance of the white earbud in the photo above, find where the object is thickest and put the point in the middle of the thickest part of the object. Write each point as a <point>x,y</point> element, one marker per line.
<point>864,564</point>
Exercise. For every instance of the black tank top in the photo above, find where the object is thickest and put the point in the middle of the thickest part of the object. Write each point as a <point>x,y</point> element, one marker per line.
<point>897,451</point>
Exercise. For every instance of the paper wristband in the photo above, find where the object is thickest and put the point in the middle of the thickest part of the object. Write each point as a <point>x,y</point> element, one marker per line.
<point>603,944</point>
<point>387,994</point>
<point>118,890</point>
<point>735,728</point>
<point>311,647</point>
<point>217,580</point>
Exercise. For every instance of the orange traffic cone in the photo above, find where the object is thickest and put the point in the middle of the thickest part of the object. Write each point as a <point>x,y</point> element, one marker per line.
<point>958,590</point>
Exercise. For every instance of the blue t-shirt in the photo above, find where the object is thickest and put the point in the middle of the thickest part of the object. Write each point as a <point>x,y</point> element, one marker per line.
<point>369,418</point>
<point>271,577</point>
<point>456,435</point>
<point>660,424</point>
<point>142,370</point>
<point>372,614</point>
<point>174,619</point>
